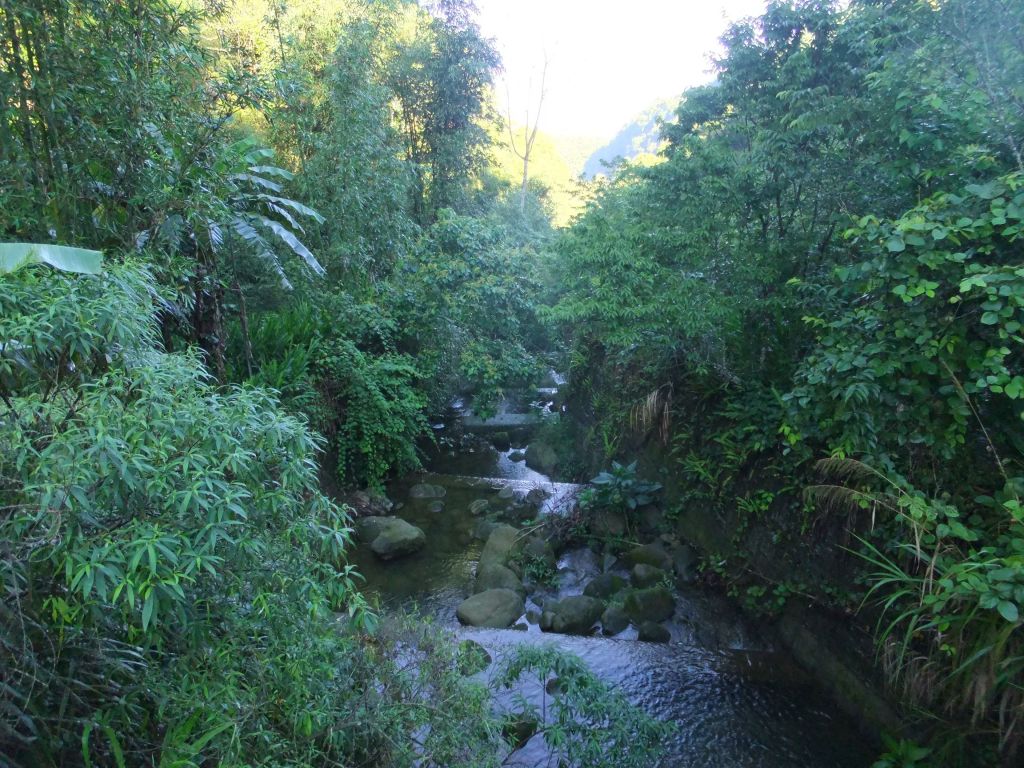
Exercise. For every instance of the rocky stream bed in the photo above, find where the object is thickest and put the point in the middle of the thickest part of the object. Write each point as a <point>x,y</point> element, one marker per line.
<point>460,544</point>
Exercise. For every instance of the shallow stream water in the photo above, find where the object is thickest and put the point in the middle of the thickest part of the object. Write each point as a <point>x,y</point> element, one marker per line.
<point>734,699</point>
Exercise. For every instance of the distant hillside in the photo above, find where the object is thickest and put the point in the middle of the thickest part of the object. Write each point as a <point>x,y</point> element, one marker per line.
<point>576,150</point>
<point>641,136</point>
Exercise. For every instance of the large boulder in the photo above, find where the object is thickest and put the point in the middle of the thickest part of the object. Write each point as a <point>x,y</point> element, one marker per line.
<point>498,608</point>
<point>501,441</point>
<point>648,554</point>
<point>574,615</point>
<point>541,457</point>
<point>614,620</point>
<point>397,538</point>
<point>495,576</point>
<point>499,545</point>
<point>605,585</point>
<point>427,491</point>
<point>368,528</point>
<point>645,575</point>
<point>653,604</point>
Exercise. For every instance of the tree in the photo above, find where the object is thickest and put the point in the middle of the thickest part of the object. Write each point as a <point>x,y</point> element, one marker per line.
<point>529,136</point>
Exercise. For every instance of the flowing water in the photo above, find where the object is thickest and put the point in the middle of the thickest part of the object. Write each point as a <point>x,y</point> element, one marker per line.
<point>735,701</point>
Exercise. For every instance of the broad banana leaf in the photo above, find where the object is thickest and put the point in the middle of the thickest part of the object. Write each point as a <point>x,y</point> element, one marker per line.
<point>14,256</point>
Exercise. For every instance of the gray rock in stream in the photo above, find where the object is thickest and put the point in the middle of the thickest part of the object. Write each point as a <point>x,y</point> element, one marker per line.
<point>645,575</point>
<point>574,615</point>
<point>541,457</point>
<point>649,554</point>
<point>397,538</point>
<point>498,548</point>
<point>427,491</point>
<point>479,506</point>
<point>605,585</point>
<point>517,456</point>
<point>497,608</point>
<point>495,576</point>
<point>614,620</point>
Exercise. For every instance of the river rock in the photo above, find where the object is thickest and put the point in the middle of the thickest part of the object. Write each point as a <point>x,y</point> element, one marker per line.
<point>397,538</point>
<point>369,528</point>
<point>479,506</point>
<point>614,620</point>
<point>427,491</point>
<point>436,507</point>
<point>497,608</point>
<point>648,554</point>
<point>652,632</point>
<point>499,545</point>
<point>507,493</point>
<point>495,576</point>
<point>652,604</point>
<point>517,456</point>
<point>574,615</point>
<point>644,575</point>
<point>604,586</point>
<point>541,457</point>
<point>501,441</point>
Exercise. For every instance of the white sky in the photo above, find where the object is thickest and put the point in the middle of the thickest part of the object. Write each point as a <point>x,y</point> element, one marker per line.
<point>607,59</point>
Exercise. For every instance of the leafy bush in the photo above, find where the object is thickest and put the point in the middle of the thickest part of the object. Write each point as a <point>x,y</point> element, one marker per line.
<point>171,570</point>
<point>621,488</point>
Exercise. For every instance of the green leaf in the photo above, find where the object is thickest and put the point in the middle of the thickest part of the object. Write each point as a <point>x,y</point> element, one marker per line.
<point>14,256</point>
<point>895,244</point>
<point>1008,611</point>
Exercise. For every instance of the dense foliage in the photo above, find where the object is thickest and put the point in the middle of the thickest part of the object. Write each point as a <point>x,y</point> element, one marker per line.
<point>826,264</point>
<point>306,254</point>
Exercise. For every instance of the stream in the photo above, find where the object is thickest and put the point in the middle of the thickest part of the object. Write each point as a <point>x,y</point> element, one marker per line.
<point>733,698</point>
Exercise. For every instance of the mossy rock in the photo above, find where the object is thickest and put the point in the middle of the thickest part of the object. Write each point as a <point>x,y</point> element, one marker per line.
<point>605,586</point>
<point>614,620</point>
<point>496,576</point>
<point>427,491</point>
<point>645,575</point>
<point>575,615</point>
<point>496,608</point>
<point>541,457</point>
<point>649,554</point>
<point>397,538</point>
<point>501,441</point>
<point>499,546</point>
<point>652,604</point>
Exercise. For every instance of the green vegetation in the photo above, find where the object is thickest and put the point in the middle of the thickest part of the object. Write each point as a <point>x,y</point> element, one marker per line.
<point>811,312</point>
<point>245,242</point>
<point>305,254</point>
